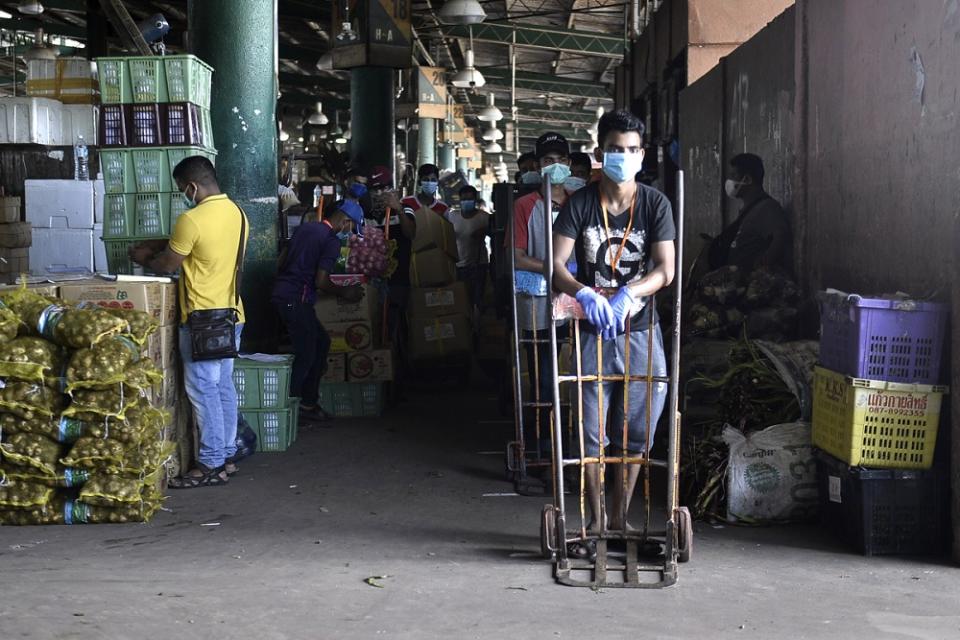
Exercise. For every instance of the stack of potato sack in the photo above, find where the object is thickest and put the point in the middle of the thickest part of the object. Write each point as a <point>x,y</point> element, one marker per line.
<point>79,440</point>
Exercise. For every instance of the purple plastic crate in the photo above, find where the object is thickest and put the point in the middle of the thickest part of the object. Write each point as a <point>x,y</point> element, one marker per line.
<point>881,338</point>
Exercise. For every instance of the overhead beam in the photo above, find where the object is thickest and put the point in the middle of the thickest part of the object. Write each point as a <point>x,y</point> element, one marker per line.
<point>546,83</point>
<point>545,114</point>
<point>50,28</point>
<point>543,37</point>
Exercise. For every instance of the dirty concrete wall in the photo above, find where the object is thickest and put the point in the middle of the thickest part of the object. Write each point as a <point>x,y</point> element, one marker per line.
<point>701,147</point>
<point>744,104</point>
<point>883,143</point>
<point>882,181</point>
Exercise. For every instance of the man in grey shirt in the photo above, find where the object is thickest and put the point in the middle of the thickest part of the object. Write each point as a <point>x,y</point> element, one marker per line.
<point>760,236</point>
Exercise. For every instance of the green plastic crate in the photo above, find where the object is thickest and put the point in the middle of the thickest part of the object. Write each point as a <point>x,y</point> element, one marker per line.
<point>352,400</point>
<point>188,79</point>
<point>176,154</point>
<point>148,82</point>
<point>114,76</point>
<point>118,262</point>
<point>151,170</point>
<point>262,385</point>
<point>272,427</point>
<point>177,207</point>
<point>206,128</point>
<point>117,168</point>
<point>141,215</point>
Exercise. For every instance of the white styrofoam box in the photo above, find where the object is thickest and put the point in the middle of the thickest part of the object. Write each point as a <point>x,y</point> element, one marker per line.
<point>59,203</point>
<point>79,120</point>
<point>61,251</point>
<point>99,250</point>
<point>30,121</point>
<point>98,193</point>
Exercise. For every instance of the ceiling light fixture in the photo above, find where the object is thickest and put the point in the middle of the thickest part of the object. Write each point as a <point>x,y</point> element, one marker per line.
<point>30,7</point>
<point>318,117</point>
<point>461,12</point>
<point>468,77</point>
<point>39,50</point>
<point>493,147</point>
<point>325,63</point>
<point>492,134</point>
<point>490,113</point>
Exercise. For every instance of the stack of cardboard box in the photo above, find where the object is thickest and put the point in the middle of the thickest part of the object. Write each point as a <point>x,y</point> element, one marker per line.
<point>15,239</point>
<point>356,367</point>
<point>439,313</point>
<point>158,297</point>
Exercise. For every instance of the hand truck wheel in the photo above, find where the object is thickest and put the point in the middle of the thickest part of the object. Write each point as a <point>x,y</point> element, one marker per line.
<point>548,531</point>
<point>512,462</point>
<point>684,534</point>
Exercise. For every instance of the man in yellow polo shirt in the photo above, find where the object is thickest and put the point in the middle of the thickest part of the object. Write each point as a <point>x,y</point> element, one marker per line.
<point>204,247</point>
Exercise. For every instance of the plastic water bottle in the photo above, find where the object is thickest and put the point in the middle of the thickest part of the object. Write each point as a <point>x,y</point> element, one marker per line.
<point>317,194</point>
<point>81,160</point>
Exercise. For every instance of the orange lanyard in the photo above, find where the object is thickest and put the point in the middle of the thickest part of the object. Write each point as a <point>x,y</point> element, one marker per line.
<point>615,259</point>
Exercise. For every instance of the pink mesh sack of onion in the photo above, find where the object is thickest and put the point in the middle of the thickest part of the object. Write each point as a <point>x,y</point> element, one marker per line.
<point>371,255</point>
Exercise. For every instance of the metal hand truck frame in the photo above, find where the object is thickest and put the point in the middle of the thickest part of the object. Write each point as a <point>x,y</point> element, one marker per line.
<point>636,567</point>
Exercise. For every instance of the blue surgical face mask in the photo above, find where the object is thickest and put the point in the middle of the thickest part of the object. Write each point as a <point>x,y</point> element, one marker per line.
<point>468,206</point>
<point>622,167</point>
<point>531,177</point>
<point>574,184</point>
<point>187,200</point>
<point>429,187</point>
<point>556,172</point>
<point>357,190</point>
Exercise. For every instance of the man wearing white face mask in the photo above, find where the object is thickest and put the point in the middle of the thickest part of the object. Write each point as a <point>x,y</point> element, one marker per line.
<point>760,236</point>
<point>622,234</point>
<point>530,250</point>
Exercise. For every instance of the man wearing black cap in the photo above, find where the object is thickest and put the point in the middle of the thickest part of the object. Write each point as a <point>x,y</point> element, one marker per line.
<point>530,250</point>
<point>305,271</point>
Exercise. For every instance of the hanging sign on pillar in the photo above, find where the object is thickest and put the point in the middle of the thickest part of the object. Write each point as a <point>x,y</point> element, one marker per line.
<point>465,153</point>
<point>374,33</point>
<point>432,92</point>
<point>459,132</point>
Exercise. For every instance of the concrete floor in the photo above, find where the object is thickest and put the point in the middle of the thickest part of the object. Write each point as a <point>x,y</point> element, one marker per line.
<point>403,497</point>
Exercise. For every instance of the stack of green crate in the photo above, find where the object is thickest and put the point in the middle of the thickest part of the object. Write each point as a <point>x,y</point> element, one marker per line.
<point>142,201</point>
<point>263,396</point>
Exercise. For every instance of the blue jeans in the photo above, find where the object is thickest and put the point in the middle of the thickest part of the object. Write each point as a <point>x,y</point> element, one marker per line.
<point>614,357</point>
<point>211,392</point>
<point>311,346</point>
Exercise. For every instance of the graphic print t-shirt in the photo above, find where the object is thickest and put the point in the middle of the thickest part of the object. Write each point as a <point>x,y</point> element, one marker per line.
<point>581,219</point>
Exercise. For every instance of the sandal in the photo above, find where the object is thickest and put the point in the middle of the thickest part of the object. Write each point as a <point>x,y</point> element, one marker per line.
<point>582,550</point>
<point>201,476</point>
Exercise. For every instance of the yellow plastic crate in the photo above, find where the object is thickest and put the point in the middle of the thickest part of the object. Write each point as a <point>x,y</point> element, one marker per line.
<point>871,423</point>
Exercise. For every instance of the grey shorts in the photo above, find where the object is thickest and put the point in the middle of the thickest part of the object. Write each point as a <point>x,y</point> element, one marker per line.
<point>613,393</point>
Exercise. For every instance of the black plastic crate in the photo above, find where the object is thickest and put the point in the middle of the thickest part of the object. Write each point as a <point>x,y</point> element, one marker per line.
<point>145,126</point>
<point>113,125</point>
<point>883,511</point>
<point>183,125</point>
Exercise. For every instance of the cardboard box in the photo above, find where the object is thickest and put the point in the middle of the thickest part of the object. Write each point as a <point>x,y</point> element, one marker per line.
<point>158,298</point>
<point>336,368</point>
<point>370,366</point>
<point>163,347</point>
<point>59,251</point>
<point>432,268</point>
<point>13,262</point>
<point>166,394</point>
<point>444,338</point>
<point>346,337</point>
<point>15,235</point>
<point>63,204</point>
<point>440,301</point>
<point>334,309</point>
<point>9,209</point>
<point>434,232</point>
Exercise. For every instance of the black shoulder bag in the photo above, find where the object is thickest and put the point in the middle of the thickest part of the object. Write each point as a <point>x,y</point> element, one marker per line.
<point>213,332</point>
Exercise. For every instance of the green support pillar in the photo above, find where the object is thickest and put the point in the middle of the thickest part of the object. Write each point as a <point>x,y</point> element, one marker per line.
<point>448,155</point>
<point>463,166</point>
<point>371,116</point>
<point>427,136</point>
<point>238,38</point>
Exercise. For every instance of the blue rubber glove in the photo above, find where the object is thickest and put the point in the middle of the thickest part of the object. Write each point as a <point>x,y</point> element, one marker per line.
<point>622,304</point>
<point>597,309</point>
